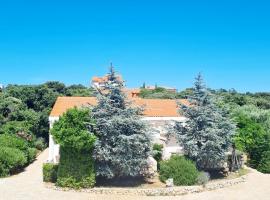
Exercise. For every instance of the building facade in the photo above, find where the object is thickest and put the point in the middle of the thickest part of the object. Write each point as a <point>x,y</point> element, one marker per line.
<point>158,113</point>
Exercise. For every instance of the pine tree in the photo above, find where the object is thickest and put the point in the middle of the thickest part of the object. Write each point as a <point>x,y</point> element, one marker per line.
<point>206,135</point>
<point>123,146</point>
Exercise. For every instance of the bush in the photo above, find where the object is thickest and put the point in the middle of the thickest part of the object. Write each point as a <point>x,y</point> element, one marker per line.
<point>72,129</point>
<point>39,144</point>
<point>76,168</point>
<point>11,160</point>
<point>203,178</point>
<point>13,141</point>
<point>264,165</point>
<point>31,154</point>
<point>157,153</point>
<point>50,172</point>
<point>183,171</point>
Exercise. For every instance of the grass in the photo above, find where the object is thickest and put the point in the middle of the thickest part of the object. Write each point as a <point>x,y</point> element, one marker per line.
<point>239,173</point>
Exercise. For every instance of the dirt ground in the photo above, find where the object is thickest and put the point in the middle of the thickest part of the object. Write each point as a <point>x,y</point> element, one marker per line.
<point>28,185</point>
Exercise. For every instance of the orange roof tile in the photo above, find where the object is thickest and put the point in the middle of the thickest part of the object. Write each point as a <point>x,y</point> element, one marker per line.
<point>152,107</point>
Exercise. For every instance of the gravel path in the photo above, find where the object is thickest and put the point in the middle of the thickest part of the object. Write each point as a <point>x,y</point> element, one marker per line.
<point>28,186</point>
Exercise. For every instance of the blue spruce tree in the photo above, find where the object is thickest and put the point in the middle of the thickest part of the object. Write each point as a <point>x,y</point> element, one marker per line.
<point>207,133</point>
<point>122,147</point>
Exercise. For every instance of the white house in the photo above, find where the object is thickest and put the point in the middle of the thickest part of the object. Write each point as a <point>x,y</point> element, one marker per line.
<point>157,112</point>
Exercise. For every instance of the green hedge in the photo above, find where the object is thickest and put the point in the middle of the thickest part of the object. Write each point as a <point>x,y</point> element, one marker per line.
<point>183,171</point>
<point>50,172</point>
<point>76,168</point>
<point>264,165</point>
<point>11,160</point>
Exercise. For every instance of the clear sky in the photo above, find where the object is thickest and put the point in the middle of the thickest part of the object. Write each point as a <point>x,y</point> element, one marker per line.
<point>165,42</point>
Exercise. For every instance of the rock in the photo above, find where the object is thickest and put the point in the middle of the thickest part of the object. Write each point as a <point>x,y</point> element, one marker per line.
<point>169,182</point>
<point>152,165</point>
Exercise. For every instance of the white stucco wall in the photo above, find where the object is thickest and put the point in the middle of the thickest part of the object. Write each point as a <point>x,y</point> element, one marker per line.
<point>159,124</point>
<point>54,148</point>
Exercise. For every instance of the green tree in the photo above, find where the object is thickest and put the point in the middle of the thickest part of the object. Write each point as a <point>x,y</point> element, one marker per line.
<point>206,134</point>
<point>72,129</point>
<point>76,166</point>
<point>248,134</point>
<point>123,146</point>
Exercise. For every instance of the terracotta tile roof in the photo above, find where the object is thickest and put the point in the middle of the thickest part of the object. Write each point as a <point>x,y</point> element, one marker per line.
<point>104,79</point>
<point>152,107</point>
<point>62,104</point>
<point>100,79</point>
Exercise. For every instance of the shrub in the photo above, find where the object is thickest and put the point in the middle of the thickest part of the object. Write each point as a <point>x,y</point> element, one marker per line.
<point>203,178</point>
<point>31,154</point>
<point>183,171</point>
<point>72,129</point>
<point>39,144</point>
<point>50,172</point>
<point>157,153</point>
<point>264,165</point>
<point>13,141</point>
<point>76,168</point>
<point>11,160</point>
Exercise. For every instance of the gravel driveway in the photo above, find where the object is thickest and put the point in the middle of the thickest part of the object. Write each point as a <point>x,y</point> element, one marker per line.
<point>28,185</point>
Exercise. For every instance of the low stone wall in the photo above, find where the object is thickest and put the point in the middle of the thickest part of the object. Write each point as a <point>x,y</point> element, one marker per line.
<point>173,191</point>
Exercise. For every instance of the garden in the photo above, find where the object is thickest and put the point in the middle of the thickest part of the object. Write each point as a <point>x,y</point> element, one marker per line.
<point>109,144</point>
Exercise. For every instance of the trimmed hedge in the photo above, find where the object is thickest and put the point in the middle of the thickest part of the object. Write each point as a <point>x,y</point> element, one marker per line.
<point>50,172</point>
<point>183,171</point>
<point>11,160</point>
<point>76,168</point>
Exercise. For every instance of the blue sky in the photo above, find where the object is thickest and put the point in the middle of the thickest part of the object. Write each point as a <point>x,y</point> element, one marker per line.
<point>164,42</point>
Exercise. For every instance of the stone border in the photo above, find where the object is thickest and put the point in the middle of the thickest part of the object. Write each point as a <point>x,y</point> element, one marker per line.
<point>173,191</point>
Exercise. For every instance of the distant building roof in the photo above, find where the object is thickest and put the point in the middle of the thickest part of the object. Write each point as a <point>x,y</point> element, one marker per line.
<point>152,107</point>
<point>104,79</point>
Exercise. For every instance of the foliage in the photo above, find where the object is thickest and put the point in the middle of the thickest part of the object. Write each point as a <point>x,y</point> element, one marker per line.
<point>182,171</point>
<point>203,178</point>
<point>264,165</point>
<point>50,172</point>
<point>123,146</point>
<point>72,129</point>
<point>39,144</point>
<point>157,93</point>
<point>31,104</point>
<point>157,153</point>
<point>14,127</point>
<point>248,133</point>
<point>79,90</point>
<point>11,160</point>
<point>76,168</point>
<point>13,141</point>
<point>31,154</point>
<point>207,132</point>
<point>253,133</point>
